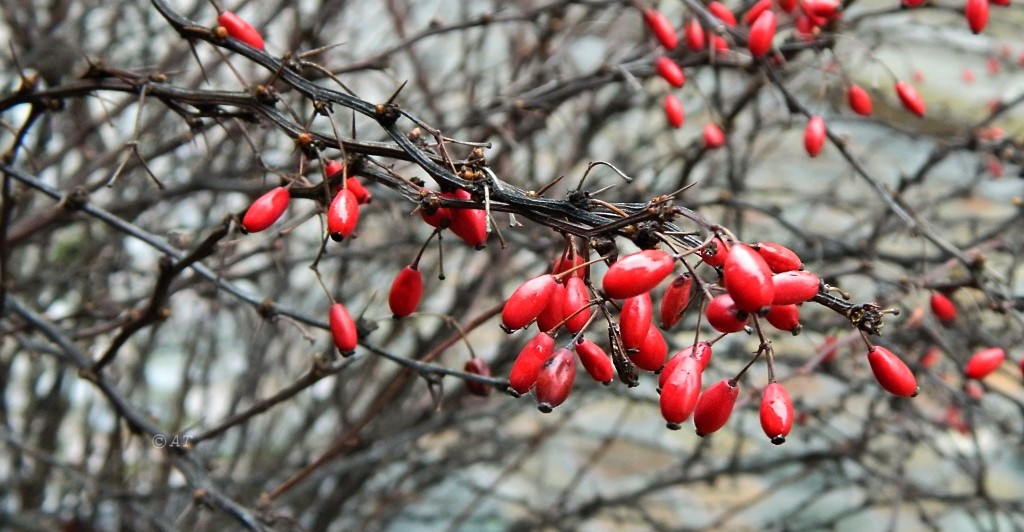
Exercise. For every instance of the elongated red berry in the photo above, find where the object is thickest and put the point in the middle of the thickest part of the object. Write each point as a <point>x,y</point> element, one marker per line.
<point>661,28</point>
<point>701,351</point>
<point>575,308</point>
<point>756,10</point>
<point>637,273</point>
<point>776,412</point>
<point>675,301</point>
<point>787,5</point>
<point>794,287</point>
<point>748,279</point>
<point>527,302</point>
<point>406,292</point>
<point>669,69</point>
<point>714,406</point>
<point>526,367</point>
<point>554,382</point>
<point>652,352</point>
<point>716,253</point>
<point>564,264</point>
<point>554,311</point>
<point>943,307</point>
<point>814,135</point>
<point>761,34</point>
<point>266,210</point>
<point>714,137</point>
<point>910,98</point>
<point>343,329</point>
<point>719,10</point>
<point>361,193</point>
<point>891,372</point>
<point>859,99</point>
<point>674,112</point>
<point>779,257</point>
<point>469,224</point>
<point>827,9</point>
<point>976,13</point>
<point>723,315</point>
<point>635,320</point>
<point>239,29</point>
<point>680,392</point>
<point>984,362</point>
<point>694,34</point>
<point>332,168</point>
<point>342,215</point>
<point>784,318</point>
<point>478,366</point>
<point>597,363</point>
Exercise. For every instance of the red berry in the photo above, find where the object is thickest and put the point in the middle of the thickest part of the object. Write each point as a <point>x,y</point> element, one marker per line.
<point>826,9</point>
<point>719,43</point>
<point>761,34</point>
<point>680,392</point>
<point>784,318</point>
<point>669,70</point>
<point>943,307</point>
<point>527,302</point>
<point>554,311</point>
<point>894,375</point>
<point>714,138</point>
<point>526,367</point>
<point>469,224</point>
<point>576,298</point>
<point>787,5</point>
<point>910,98</point>
<point>715,254</point>
<point>362,195</point>
<point>779,257</point>
<point>755,11</point>
<point>343,329</point>
<point>637,273</point>
<point>554,382</point>
<point>564,264</point>
<point>794,287</point>
<point>714,406</point>
<point>595,360</point>
<point>332,168</point>
<point>814,135</point>
<point>674,111</point>
<point>661,28</point>
<point>976,12</point>
<point>240,29</point>
<point>911,3</point>
<point>675,301</point>
<point>968,75</point>
<point>694,34</point>
<point>635,320</point>
<point>984,362</point>
<point>441,217</point>
<point>342,215</point>
<point>701,351</point>
<point>651,354</point>
<point>776,413</point>
<point>719,10</point>
<point>406,292</point>
<point>930,357</point>
<point>477,366</point>
<point>266,210</point>
<point>860,100</point>
<point>748,279</point>
<point>723,315</point>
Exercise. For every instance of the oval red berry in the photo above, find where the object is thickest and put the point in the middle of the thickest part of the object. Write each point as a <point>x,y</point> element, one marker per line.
<point>637,273</point>
<point>406,292</point>
<point>239,29</point>
<point>266,210</point>
<point>776,413</point>
<point>984,362</point>
<point>891,372</point>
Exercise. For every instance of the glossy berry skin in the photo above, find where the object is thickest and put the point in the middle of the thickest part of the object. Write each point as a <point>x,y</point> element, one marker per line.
<point>794,287</point>
<point>469,224</point>
<point>756,10</point>
<point>527,302</point>
<point>362,195</point>
<point>477,366</point>
<point>240,29</point>
<point>564,264</point>
<point>976,13</point>
<point>406,292</point>
<point>526,367</point>
<point>943,308</point>
<point>662,29</point>
<point>984,362</point>
<point>637,273</point>
<point>670,71</point>
<point>717,256</point>
<point>748,279</point>
<point>680,393</point>
<point>597,363</point>
<point>342,215</point>
<point>714,406</point>
<point>814,135</point>
<point>714,137</point>
<point>825,9</point>
<point>266,210</point>
<point>635,320</point>
<point>554,382</point>
<point>719,10</point>
<point>674,112</point>
<point>332,168</point>
<point>694,34</point>
<point>701,351</point>
<point>675,300</point>
<point>652,352</point>
<point>892,373</point>
<point>576,298</point>
<point>779,257</point>
<point>910,98</point>
<point>554,311</point>
<point>784,318</point>
<point>723,315</point>
<point>343,329</point>
<point>761,34</point>
<point>859,100</point>
<point>776,413</point>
